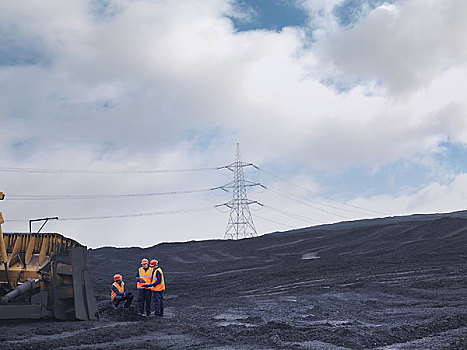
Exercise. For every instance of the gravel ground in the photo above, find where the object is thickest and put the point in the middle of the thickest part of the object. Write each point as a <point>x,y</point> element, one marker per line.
<point>379,284</point>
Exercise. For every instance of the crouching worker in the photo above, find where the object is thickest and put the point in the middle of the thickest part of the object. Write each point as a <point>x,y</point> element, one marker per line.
<point>157,287</point>
<point>118,293</point>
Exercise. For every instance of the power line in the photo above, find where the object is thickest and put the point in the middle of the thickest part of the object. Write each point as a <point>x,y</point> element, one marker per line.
<point>292,196</point>
<point>45,197</point>
<point>280,193</point>
<point>273,221</point>
<point>239,207</point>
<point>309,191</point>
<point>103,217</point>
<point>87,171</point>
<point>292,215</point>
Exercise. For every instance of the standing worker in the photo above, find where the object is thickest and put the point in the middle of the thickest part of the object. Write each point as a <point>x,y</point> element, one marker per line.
<point>158,286</point>
<point>118,293</point>
<point>143,284</point>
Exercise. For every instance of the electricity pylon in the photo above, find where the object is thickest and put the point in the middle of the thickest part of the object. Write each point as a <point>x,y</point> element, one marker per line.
<point>240,223</point>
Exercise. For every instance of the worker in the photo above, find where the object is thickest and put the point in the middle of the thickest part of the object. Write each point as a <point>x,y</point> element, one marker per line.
<point>143,285</point>
<point>158,286</point>
<point>118,293</point>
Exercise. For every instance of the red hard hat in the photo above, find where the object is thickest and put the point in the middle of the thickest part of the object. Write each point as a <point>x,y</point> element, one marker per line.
<point>144,261</point>
<point>117,277</point>
<point>153,263</point>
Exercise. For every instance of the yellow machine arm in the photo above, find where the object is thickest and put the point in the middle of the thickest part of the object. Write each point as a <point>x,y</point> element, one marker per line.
<point>44,275</point>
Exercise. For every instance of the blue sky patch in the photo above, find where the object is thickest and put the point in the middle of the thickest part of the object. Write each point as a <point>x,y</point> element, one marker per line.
<point>350,11</point>
<point>104,8</point>
<point>106,104</point>
<point>17,49</point>
<point>363,182</point>
<point>455,154</point>
<point>387,180</point>
<point>403,177</point>
<point>203,138</point>
<point>269,15</point>
<point>23,149</point>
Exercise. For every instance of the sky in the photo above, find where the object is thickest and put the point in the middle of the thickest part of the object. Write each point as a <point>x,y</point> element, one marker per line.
<point>348,109</point>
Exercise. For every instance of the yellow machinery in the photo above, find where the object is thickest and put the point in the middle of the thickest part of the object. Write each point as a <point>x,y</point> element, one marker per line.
<point>44,275</point>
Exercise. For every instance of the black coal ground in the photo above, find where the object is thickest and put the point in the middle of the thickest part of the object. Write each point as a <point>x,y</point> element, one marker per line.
<point>381,284</point>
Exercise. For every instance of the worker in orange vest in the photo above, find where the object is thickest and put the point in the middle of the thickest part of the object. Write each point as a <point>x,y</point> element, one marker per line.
<point>158,286</point>
<point>143,285</point>
<point>118,292</point>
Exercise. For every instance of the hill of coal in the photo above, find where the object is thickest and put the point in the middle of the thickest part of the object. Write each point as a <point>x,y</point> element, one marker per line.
<point>391,283</point>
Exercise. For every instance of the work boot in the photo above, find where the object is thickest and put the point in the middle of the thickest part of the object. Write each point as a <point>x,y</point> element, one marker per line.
<point>115,306</point>
<point>141,314</point>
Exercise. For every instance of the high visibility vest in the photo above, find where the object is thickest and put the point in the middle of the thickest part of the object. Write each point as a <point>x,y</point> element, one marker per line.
<point>120,288</point>
<point>145,275</point>
<point>160,286</point>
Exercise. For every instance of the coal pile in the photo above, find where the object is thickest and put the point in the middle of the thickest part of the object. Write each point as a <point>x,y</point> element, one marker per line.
<point>393,283</point>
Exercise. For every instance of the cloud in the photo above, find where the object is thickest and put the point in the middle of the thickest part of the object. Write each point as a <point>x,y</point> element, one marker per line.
<point>150,73</point>
<point>404,46</point>
<point>433,198</point>
<point>106,85</point>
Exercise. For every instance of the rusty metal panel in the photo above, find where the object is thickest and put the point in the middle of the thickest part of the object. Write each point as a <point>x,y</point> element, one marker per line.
<point>93,311</point>
<point>64,292</point>
<point>64,269</point>
<point>78,259</point>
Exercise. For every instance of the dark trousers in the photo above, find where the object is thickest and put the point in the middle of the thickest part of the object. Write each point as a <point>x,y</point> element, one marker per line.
<point>158,299</point>
<point>119,298</point>
<point>144,300</point>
